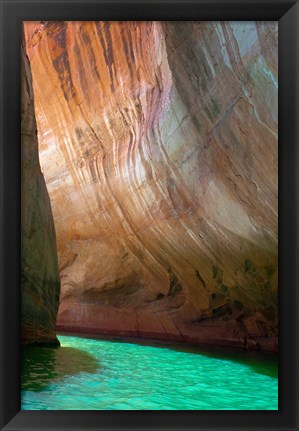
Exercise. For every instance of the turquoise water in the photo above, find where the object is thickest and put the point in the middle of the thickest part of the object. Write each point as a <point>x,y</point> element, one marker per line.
<point>89,374</point>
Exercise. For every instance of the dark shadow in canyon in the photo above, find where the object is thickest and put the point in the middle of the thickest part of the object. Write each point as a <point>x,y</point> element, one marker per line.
<point>42,366</point>
<point>259,362</point>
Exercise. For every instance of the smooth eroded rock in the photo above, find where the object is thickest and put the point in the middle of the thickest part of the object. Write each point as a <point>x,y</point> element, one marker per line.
<point>158,142</point>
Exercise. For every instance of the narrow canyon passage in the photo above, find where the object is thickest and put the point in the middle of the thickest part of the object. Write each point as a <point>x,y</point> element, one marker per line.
<point>158,145</point>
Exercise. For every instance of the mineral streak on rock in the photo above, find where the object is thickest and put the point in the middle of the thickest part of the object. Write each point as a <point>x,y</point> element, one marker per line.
<point>40,283</point>
<point>158,141</point>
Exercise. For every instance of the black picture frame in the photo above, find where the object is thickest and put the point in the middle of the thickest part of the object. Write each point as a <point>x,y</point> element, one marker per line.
<point>13,12</point>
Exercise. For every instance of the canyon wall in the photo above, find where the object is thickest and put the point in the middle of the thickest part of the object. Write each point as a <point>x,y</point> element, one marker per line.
<point>158,142</point>
<point>40,283</point>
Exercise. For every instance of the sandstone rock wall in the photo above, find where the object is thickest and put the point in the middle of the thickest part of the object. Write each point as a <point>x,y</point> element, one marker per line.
<point>40,283</point>
<point>158,142</point>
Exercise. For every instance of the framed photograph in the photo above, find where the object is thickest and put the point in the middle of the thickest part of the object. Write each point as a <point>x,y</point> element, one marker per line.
<point>149,217</point>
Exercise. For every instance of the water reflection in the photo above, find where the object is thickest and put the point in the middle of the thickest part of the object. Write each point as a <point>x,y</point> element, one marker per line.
<point>259,362</point>
<point>42,365</point>
<point>90,374</point>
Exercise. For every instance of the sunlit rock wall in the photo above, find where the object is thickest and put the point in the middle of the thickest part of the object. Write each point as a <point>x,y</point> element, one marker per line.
<point>40,284</point>
<point>158,142</point>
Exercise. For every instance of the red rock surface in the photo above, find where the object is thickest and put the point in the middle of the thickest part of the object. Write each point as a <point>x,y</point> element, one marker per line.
<point>158,142</point>
<point>40,283</point>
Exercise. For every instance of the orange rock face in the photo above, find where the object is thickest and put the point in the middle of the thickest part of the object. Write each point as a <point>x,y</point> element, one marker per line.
<point>158,142</point>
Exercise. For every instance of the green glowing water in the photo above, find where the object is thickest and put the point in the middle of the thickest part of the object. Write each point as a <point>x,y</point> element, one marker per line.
<point>89,374</point>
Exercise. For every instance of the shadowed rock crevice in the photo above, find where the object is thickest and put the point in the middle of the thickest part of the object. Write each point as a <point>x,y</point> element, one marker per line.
<point>40,282</point>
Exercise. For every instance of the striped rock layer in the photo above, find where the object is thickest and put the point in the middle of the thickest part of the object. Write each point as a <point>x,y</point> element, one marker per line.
<point>158,142</point>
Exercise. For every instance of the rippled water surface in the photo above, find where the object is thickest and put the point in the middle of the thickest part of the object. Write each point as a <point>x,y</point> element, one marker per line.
<point>89,374</point>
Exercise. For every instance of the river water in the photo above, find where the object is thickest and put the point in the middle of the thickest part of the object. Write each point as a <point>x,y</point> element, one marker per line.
<point>96,374</point>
